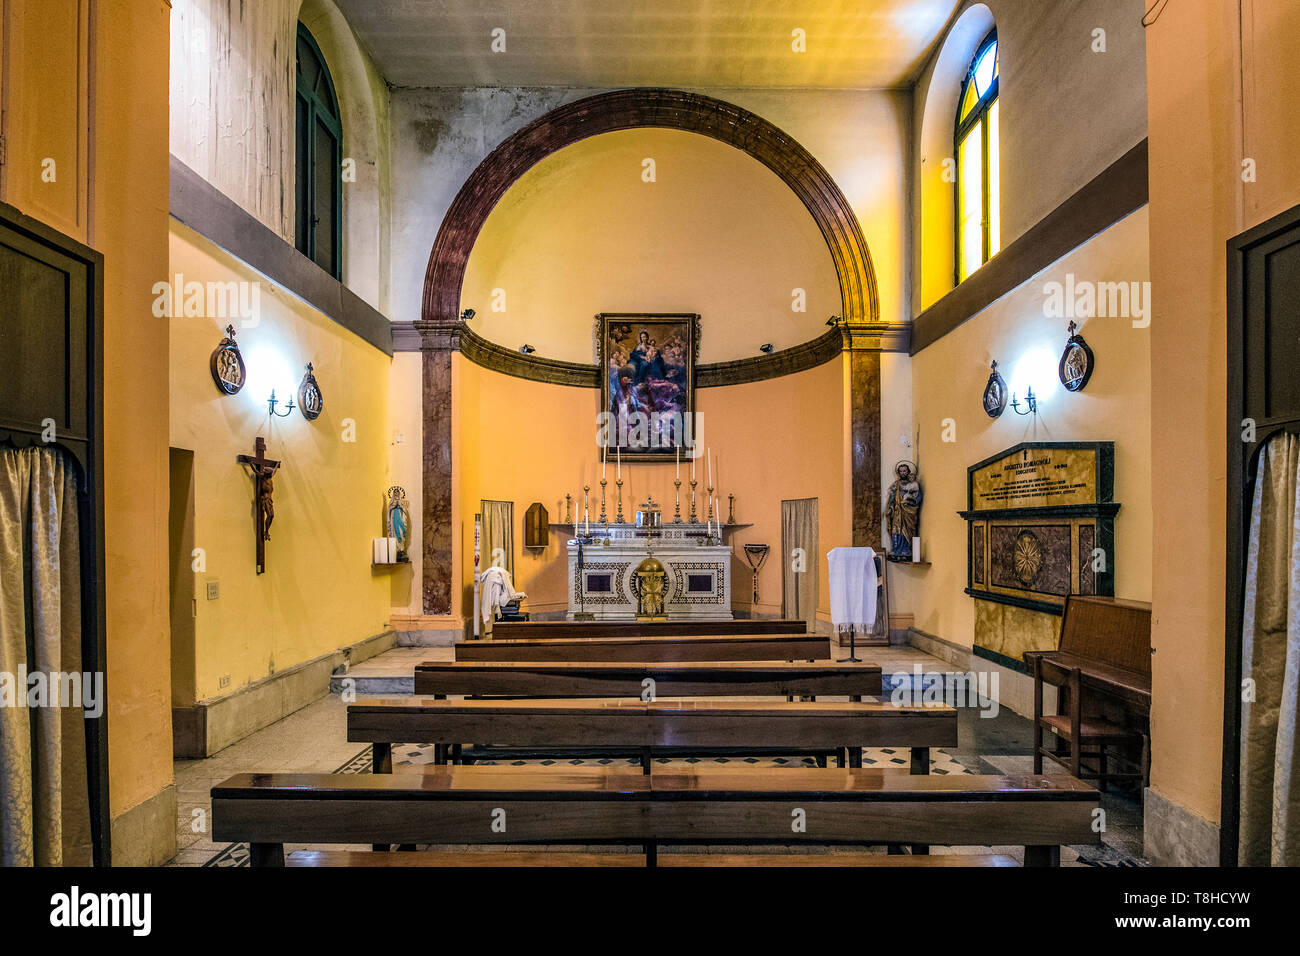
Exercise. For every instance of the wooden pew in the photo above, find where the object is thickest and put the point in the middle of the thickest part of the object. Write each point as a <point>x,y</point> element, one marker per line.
<point>677,679</point>
<point>541,630</point>
<point>561,858</point>
<point>1103,672</point>
<point>759,647</point>
<point>650,729</point>
<point>581,806</point>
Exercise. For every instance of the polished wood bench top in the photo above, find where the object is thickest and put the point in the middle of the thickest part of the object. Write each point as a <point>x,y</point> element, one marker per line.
<point>585,805</point>
<point>510,630</point>
<point>672,678</point>
<point>757,647</point>
<point>1130,685</point>
<point>562,858</point>
<point>694,722</point>
<point>621,784</point>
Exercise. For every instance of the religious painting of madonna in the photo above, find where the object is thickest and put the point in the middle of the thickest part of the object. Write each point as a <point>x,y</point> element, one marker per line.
<point>647,388</point>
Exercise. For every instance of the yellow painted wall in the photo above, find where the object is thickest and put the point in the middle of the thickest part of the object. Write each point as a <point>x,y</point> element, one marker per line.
<point>319,591</point>
<point>716,233</point>
<point>1203,123</point>
<point>110,191</point>
<point>524,441</point>
<point>948,379</point>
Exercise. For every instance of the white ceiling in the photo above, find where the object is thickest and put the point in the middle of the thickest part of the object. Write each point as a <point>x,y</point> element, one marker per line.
<point>851,44</point>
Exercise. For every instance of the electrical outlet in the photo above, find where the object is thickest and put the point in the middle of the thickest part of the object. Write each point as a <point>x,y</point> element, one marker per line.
<point>214,590</point>
<point>225,681</point>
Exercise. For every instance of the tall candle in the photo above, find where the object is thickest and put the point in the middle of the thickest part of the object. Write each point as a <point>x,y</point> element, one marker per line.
<point>618,455</point>
<point>692,464</point>
<point>679,461</point>
<point>709,462</point>
<point>602,460</point>
<point>586,515</point>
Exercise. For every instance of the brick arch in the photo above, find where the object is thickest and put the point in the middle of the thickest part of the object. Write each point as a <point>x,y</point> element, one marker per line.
<point>441,329</point>
<point>665,109</point>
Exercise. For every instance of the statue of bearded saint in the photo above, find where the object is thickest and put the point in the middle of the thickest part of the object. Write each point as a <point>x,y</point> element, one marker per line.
<point>903,511</point>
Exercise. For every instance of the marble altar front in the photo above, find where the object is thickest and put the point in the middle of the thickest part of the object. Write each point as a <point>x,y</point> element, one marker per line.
<point>698,566</point>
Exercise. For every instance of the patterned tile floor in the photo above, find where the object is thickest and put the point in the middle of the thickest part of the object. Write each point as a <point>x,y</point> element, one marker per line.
<point>313,740</point>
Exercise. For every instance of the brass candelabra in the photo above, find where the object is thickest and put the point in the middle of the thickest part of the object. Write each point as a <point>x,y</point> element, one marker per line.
<point>692,501</point>
<point>677,495</point>
<point>619,482</point>
<point>603,518</point>
<point>568,508</point>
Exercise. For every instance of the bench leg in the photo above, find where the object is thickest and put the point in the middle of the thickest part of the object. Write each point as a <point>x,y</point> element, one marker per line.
<point>1038,714</point>
<point>266,854</point>
<point>855,757</point>
<point>455,753</point>
<point>381,758</point>
<point>821,760</point>
<point>920,760</point>
<point>842,757</point>
<point>651,854</point>
<point>1042,856</point>
<point>646,761</point>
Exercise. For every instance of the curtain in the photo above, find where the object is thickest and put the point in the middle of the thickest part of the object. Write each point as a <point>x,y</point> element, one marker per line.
<point>498,533</point>
<point>44,795</point>
<point>1270,773</point>
<point>799,571</point>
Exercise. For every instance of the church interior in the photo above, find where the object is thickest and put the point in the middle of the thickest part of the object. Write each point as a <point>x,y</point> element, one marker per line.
<point>649,434</point>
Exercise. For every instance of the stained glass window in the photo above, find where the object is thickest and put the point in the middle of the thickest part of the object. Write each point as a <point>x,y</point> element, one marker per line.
<point>978,219</point>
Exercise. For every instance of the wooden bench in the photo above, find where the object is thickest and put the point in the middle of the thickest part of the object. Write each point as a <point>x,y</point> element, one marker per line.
<point>1103,672</point>
<point>680,679</point>
<point>760,647</point>
<point>650,729</point>
<point>561,858</point>
<point>582,806</point>
<point>542,630</point>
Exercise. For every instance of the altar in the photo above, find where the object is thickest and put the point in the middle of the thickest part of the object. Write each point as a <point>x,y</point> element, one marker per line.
<point>617,557</point>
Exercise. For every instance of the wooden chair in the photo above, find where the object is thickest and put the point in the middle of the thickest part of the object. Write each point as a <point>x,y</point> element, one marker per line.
<point>1103,675</point>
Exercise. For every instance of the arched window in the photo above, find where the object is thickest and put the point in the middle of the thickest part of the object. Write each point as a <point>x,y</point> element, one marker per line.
<point>976,149</point>
<point>319,218</point>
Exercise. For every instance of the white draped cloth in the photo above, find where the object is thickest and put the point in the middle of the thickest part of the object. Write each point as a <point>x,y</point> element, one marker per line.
<point>496,591</point>
<point>853,589</point>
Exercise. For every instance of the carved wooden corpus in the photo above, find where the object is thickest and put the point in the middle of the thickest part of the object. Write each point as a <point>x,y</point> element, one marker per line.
<point>263,469</point>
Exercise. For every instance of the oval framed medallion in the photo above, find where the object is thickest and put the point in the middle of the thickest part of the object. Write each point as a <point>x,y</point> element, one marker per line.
<point>995,393</point>
<point>1076,362</point>
<point>310,400</point>
<point>227,365</point>
<point>1027,558</point>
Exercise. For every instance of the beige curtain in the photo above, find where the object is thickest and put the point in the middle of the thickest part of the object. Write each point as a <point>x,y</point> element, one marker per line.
<point>799,587</point>
<point>44,798</point>
<point>498,532</point>
<point>1270,772</point>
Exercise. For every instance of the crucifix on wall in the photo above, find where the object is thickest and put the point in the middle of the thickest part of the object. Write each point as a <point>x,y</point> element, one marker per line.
<point>263,506</point>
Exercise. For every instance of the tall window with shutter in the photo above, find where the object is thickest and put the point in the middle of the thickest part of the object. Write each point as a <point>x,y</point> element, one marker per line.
<point>319,221</point>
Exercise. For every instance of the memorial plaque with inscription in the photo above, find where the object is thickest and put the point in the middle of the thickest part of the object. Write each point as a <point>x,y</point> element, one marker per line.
<point>1042,524</point>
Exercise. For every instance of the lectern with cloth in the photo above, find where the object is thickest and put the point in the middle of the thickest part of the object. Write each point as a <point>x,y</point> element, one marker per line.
<point>853,581</point>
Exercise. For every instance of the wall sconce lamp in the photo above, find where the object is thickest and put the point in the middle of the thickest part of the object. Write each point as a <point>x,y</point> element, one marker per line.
<point>766,349</point>
<point>273,401</point>
<point>466,315</point>
<point>527,349</point>
<point>1030,403</point>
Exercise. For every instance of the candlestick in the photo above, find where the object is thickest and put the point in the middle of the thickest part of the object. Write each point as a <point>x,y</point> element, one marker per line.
<point>692,498</point>
<point>586,507</point>
<point>731,509</point>
<point>604,520</point>
<point>568,508</point>
<point>619,482</point>
<point>677,495</point>
<point>709,501</point>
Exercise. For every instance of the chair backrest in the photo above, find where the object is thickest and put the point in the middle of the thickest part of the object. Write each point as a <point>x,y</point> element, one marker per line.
<point>1108,630</point>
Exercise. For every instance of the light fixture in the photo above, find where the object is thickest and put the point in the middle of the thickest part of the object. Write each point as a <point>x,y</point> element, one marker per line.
<point>527,349</point>
<point>1030,403</point>
<point>766,349</point>
<point>466,315</point>
<point>273,401</point>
